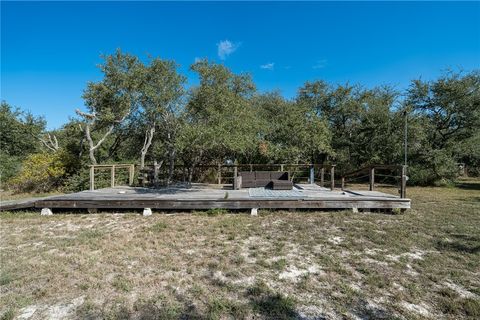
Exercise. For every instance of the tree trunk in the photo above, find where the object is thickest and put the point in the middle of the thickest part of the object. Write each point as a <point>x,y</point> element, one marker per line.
<point>91,153</point>
<point>156,170</point>
<point>190,174</point>
<point>92,146</point>
<point>196,160</point>
<point>146,145</point>
<point>171,168</point>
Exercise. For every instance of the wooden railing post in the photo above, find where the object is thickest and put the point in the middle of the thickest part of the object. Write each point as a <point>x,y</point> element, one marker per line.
<point>219,174</point>
<point>403,183</point>
<point>112,182</point>
<point>281,167</point>
<point>332,177</point>
<point>131,173</point>
<point>235,180</point>
<point>322,176</point>
<point>92,177</point>
<point>343,183</point>
<point>251,167</point>
<point>372,178</point>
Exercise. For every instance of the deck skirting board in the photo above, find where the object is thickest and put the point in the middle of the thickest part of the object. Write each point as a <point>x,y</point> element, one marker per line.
<point>225,204</point>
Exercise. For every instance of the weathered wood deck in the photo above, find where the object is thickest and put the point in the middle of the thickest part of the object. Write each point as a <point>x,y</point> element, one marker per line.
<point>200,196</point>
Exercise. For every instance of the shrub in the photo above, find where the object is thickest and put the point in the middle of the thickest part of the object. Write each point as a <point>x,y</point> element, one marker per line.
<point>40,172</point>
<point>79,181</point>
<point>216,211</point>
<point>438,168</point>
<point>9,167</point>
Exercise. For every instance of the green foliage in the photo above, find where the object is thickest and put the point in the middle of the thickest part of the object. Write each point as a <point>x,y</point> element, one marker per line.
<point>447,112</point>
<point>80,181</point>
<point>142,111</point>
<point>8,315</point>
<point>5,278</point>
<point>216,212</point>
<point>290,132</point>
<point>367,125</point>
<point>19,131</point>
<point>9,166</point>
<point>219,118</point>
<point>270,304</point>
<point>41,172</point>
<point>158,227</point>
<point>115,96</point>
<point>122,284</point>
<point>217,308</point>
<point>18,138</point>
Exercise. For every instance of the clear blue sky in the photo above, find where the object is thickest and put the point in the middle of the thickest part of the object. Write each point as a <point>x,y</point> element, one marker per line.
<point>50,50</point>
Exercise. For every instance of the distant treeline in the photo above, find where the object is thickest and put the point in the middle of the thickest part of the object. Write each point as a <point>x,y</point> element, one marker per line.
<point>142,112</point>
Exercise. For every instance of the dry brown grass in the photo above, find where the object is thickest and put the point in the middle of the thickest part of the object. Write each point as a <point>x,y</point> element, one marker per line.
<point>311,265</point>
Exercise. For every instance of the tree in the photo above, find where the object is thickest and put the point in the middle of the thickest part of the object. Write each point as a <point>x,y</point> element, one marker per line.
<point>448,110</point>
<point>341,107</point>
<point>220,109</point>
<point>161,98</point>
<point>112,100</point>
<point>20,131</point>
<point>378,137</point>
<point>451,104</point>
<point>18,138</point>
<point>291,131</point>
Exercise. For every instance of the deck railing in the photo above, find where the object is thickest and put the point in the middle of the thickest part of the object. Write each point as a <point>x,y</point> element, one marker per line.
<point>312,173</point>
<point>224,173</point>
<point>112,168</point>
<point>397,172</point>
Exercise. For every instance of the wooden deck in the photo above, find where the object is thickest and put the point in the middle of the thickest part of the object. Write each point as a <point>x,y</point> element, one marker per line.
<point>201,196</point>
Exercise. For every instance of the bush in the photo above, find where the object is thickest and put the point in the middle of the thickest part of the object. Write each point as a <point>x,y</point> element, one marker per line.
<point>437,169</point>
<point>79,181</point>
<point>9,167</point>
<point>40,172</point>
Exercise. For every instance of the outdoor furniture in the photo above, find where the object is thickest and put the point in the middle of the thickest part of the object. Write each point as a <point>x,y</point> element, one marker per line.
<point>277,180</point>
<point>282,185</point>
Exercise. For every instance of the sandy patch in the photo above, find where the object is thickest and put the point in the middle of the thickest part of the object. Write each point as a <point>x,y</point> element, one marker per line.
<point>415,308</point>
<point>414,255</point>
<point>462,292</point>
<point>27,312</point>
<point>293,273</point>
<point>335,240</point>
<point>57,311</point>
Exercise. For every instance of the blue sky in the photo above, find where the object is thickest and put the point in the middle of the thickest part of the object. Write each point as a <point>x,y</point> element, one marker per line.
<point>50,50</point>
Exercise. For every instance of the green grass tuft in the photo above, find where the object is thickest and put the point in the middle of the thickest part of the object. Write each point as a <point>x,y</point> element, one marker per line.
<point>158,227</point>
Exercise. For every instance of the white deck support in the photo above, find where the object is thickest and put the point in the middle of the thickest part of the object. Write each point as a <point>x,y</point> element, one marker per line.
<point>254,212</point>
<point>147,212</point>
<point>46,212</point>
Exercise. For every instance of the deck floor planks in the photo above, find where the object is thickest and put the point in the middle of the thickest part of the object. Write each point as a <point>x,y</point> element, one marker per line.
<point>213,196</point>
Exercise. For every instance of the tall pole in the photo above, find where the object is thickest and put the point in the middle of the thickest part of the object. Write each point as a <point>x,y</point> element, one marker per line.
<point>405,136</point>
<point>403,181</point>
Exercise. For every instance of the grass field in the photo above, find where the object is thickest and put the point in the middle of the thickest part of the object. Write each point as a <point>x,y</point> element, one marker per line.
<point>280,265</point>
